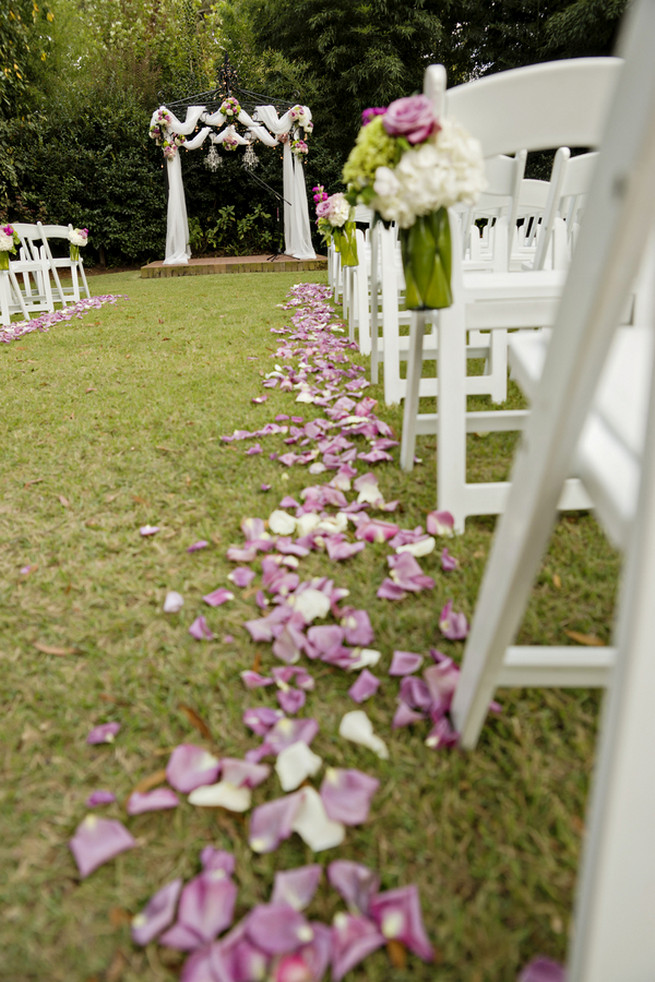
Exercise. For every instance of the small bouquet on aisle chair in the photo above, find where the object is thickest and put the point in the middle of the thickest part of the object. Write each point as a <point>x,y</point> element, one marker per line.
<point>78,237</point>
<point>8,242</point>
<point>336,223</point>
<point>410,167</point>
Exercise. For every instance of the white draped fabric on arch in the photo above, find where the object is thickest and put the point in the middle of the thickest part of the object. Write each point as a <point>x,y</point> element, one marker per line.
<point>264,125</point>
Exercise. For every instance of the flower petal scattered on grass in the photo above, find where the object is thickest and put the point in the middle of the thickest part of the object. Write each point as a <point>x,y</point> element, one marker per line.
<point>453,625</point>
<point>365,686</point>
<point>296,887</point>
<point>405,663</point>
<point>356,883</point>
<point>272,822</point>
<point>448,562</point>
<point>243,773</point>
<point>150,801</point>
<point>542,969</point>
<point>190,767</point>
<point>398,916</point>
<point>313,824</point>
<point>200,630</point>
<point>100,797</point>
<point>347,794</point>
<point>353,938</point>
<point>157,915</point>
<point>98,840</point>
<point>173,603</point>
<point>357,727</point>
<point>149,529</point>
<point>206,908</point>
<point>277,928</point>
<point>440,523</point>
<point>196,546</point>
<point>216,598</point>
<point>104,733</point>
<point>222,795</point>
<point>295,764</point>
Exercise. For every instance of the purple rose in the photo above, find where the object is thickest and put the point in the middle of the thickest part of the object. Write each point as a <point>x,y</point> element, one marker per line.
<point>412,117</point>
<point>371,113</point>
<point>323,208</point>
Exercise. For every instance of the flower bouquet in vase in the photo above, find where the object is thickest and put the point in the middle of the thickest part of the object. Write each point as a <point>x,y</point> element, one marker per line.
<point>335,220</point>
<point>410,167</point>
<point>78,237</point>
<point>8,242</point>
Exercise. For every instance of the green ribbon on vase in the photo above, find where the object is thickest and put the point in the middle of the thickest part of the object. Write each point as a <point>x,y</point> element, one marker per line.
<point>427,261</point>
<point>346,244</point>
<point>4,259</point>
<point>74,252</point>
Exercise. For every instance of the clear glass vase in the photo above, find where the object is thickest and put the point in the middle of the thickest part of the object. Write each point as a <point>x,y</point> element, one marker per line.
<point>427,261</point>
<point>346,244</point>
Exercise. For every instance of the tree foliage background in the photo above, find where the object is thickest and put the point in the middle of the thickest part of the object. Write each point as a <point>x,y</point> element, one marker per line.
<point>79,80</point>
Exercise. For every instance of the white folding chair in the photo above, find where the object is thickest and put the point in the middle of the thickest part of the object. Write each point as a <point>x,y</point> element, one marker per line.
<point>606,432</point>
<point>548,105</point>
<point>32,270</point>
<point>57,236</point>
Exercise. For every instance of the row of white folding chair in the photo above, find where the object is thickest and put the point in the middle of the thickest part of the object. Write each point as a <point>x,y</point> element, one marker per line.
<point>555,104</point>
<point>32,270</point>
<point>605,429</point>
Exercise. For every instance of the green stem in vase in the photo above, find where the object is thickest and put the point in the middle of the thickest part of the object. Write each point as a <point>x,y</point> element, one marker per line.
<point>427,261</point>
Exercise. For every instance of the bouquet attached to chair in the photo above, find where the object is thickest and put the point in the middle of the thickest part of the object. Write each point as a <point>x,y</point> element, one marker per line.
<point>8,242</point>
<point>77,237</point>
<point>410,167</point>
<point>336,223</point>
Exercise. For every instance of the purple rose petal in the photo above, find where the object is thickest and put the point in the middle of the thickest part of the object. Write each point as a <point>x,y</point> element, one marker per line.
<point>448,562</point>
<point>405,663</point>
<point>242,576</point>
<point>277,928</point>
<point>365,686</point>
<point>356,883</point>
<point>214,599</point>
<point>440,523</point>
<point>196,546</point>
<point>398,915</point>
<point>353,938</point>
<point>100,797</point>
<point>98,840</point>
<point>157,914</point>
<point>542,969</point>
<point>296,887</point>
<point>272,822</point>
<point>453,625</point>
<point>200,630</point>
<point>104,733</point>
<point>156,800</point>
<point>347,795</point>
<point>243,773</point>
<point>206,908</point>
<point>214,859</point>
<point>291,700</point>
<point>191,767</point>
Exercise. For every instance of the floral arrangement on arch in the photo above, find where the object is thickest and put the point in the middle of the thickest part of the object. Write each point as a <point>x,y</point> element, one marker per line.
<point>8,242</point>
<point>410,167</point>
<point>230,108</point>
<point>160,131</point>
<point>335,222</point>
<point>302,128</point>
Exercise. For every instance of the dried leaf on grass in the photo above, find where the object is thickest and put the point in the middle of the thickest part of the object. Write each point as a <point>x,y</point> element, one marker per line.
<point>196,720</point>
<point>397,953</point>
<point>64,501</point>
<point>587,639</point>
<point>53,649</point>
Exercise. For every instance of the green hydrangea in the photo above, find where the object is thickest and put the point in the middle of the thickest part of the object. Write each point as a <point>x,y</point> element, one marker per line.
<point>373,148</point>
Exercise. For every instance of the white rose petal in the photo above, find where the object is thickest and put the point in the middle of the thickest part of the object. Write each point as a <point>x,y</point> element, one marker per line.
<point>222,795</point>
<point>173,602</point>
<point>313,825</point>
<point>357,727</point>
<point>364,658</point>
<point>311,604</point>
<point>296,763</point>
<point>281,523</point>
<point>422,547</point>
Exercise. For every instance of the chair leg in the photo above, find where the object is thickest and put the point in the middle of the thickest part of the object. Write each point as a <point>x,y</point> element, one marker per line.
<point>414,372</point>
<point>451,415</point>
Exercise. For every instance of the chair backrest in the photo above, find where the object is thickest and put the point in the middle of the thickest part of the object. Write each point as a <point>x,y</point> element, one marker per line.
<point>539,107</point>
<point>569,184</point>
<point>30,239</point>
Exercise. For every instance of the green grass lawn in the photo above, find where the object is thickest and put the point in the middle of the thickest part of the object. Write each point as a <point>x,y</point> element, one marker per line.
<point>112,422</point>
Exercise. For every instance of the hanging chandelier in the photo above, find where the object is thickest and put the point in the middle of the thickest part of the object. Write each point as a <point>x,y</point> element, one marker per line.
<point>250,158</point>
<point>213,160</point>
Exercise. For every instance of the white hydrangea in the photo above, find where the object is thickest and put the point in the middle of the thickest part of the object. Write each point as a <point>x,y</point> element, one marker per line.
<point>445,170</point>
